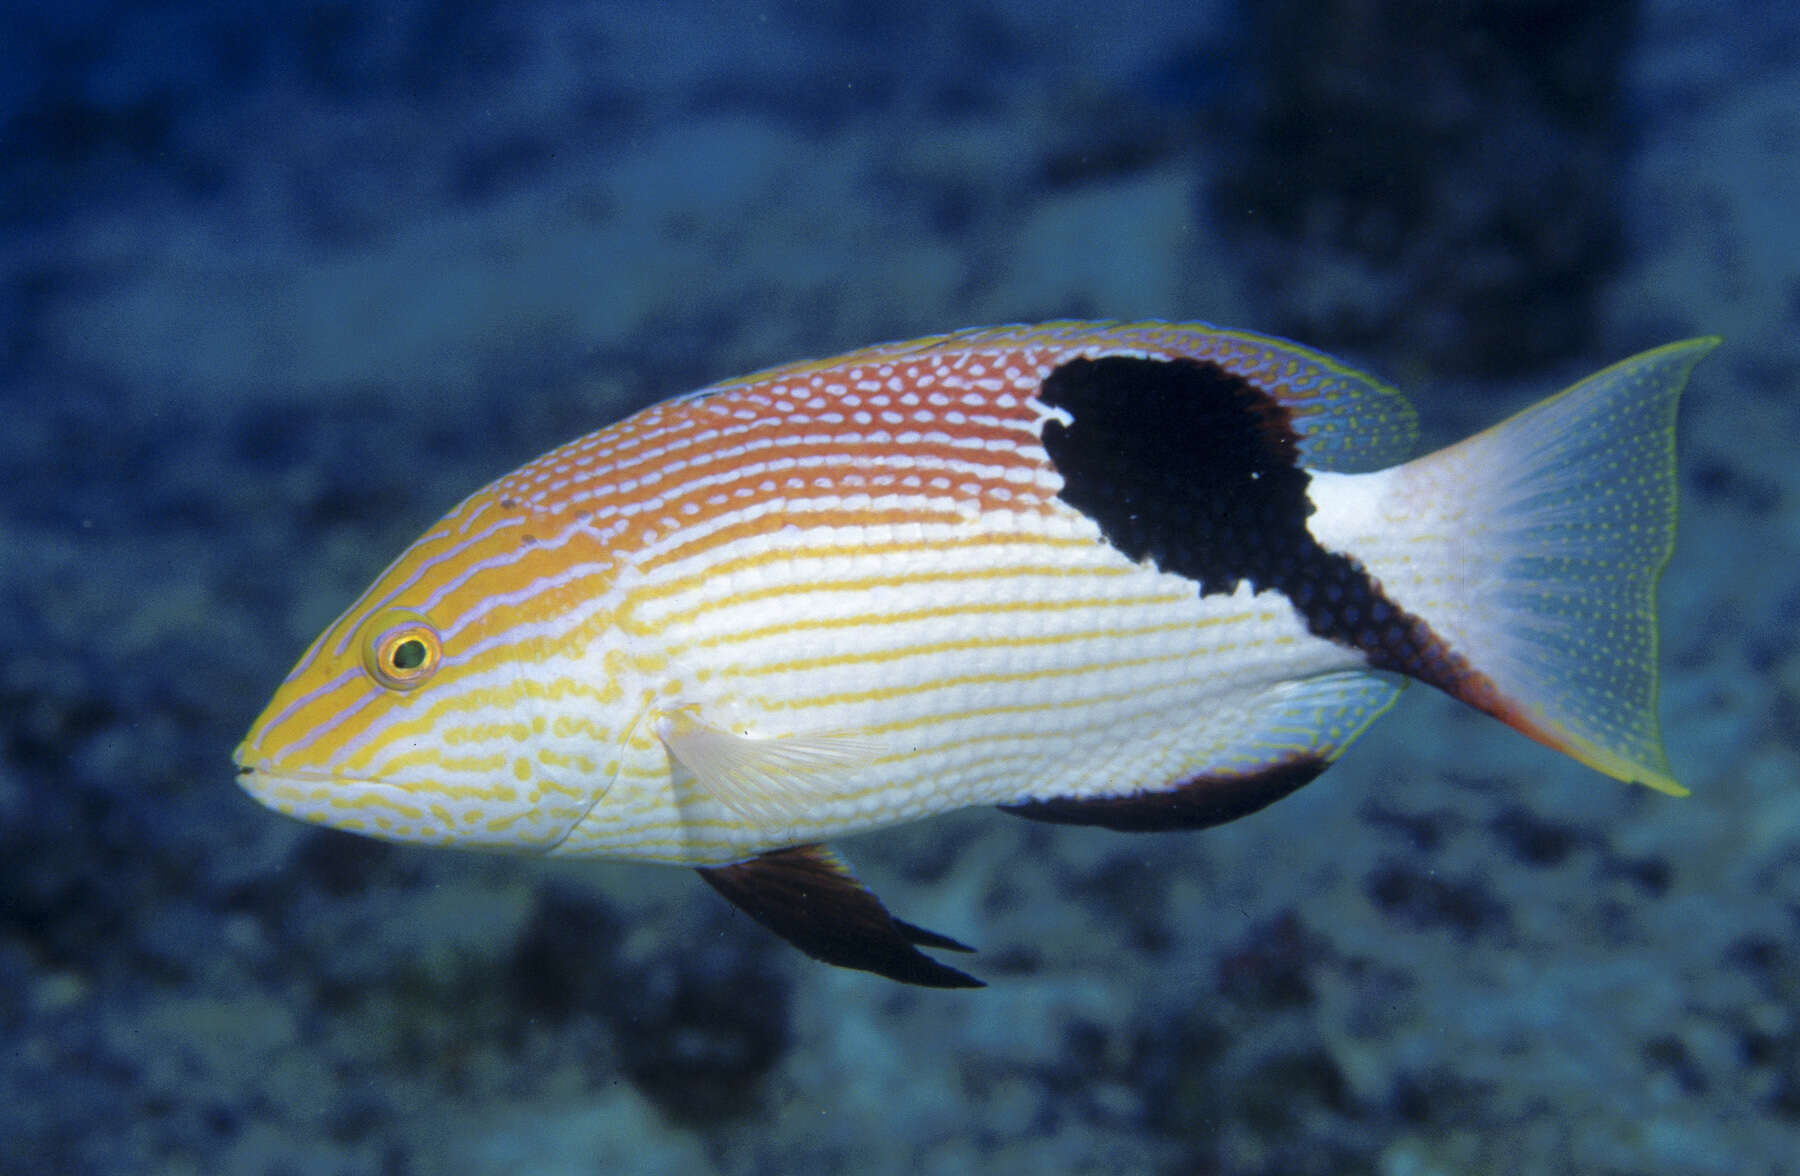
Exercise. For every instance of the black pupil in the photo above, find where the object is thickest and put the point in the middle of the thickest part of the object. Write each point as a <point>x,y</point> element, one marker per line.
<point>409,654</point>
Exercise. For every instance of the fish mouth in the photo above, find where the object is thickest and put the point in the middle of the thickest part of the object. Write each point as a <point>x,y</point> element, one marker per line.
<point>300,791</point>
<point>373,808</point>
<point>251,764</point>
<point>265,780</point>
<point>399,810</point>
<point>307,775</point>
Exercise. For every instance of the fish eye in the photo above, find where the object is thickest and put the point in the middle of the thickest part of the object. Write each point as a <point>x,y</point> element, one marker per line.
<point>401,650</point>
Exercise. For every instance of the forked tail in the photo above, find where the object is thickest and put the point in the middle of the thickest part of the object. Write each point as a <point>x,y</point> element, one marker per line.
<point>1533,550</point>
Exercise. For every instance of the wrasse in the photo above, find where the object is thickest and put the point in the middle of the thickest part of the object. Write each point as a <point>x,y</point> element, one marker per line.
<point>1149,576</point>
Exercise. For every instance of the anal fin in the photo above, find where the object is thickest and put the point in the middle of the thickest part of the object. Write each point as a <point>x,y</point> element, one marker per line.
<point>1280,741</point>
<point>809,897</point>
<point>1196,803</point>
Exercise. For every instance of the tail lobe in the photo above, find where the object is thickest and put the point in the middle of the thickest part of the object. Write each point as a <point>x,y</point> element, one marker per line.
<point>1533,551</point>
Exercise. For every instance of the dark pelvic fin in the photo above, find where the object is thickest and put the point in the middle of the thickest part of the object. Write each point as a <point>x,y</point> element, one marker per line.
<point>1192,804</point>
<point>809,897</point>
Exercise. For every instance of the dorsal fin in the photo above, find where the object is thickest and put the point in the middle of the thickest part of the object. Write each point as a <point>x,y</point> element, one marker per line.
<point>1347,422</point>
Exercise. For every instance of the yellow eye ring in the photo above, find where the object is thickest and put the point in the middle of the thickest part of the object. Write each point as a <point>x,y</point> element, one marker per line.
<point>401,650</point>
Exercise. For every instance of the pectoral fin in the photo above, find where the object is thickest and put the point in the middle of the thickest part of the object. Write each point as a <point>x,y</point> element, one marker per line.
<point>809,897</point>
<point>774,782</point>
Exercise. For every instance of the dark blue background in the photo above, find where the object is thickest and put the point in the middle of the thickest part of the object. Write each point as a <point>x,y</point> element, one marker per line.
<point>279,283</point>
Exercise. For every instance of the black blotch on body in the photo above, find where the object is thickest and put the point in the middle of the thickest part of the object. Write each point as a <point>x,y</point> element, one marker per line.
<point>1184,463</point>
<point>1191,804</point>
<point>1197,469</point>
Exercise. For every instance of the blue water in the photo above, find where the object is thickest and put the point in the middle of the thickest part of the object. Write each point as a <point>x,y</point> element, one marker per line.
<point>280,283</point>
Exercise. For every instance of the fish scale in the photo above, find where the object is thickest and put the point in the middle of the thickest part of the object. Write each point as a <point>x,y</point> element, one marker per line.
<point>1140,576</point>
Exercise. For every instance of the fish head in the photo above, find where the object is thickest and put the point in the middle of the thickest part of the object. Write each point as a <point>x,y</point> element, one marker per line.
<point>454,703</point>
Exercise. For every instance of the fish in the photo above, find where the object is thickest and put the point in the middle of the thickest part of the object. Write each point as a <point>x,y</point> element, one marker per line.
<point>1142,576</point>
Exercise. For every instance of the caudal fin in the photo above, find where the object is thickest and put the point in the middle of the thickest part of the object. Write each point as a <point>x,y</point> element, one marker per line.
<point>1533,551</point>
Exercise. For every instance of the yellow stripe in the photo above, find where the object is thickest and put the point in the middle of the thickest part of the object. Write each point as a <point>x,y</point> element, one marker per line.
<point>797,589</point>
<point>886,693</point>
<point>469,764</point>
<point>937,612</point>
<point>658,589</point>
<point>518,731</point>
<point>629,814</point>
<point>449,702</point>
<point>902,652</point>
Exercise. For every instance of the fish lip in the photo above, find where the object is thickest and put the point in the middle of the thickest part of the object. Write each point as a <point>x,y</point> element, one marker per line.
<point>249,763</point>
<point>271,772</point>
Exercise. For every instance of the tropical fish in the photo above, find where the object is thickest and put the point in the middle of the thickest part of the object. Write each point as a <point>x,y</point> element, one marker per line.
<point>1146,576</point>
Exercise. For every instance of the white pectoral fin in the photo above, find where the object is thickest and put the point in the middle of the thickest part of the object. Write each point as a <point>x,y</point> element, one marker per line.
<point>770,781</point>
